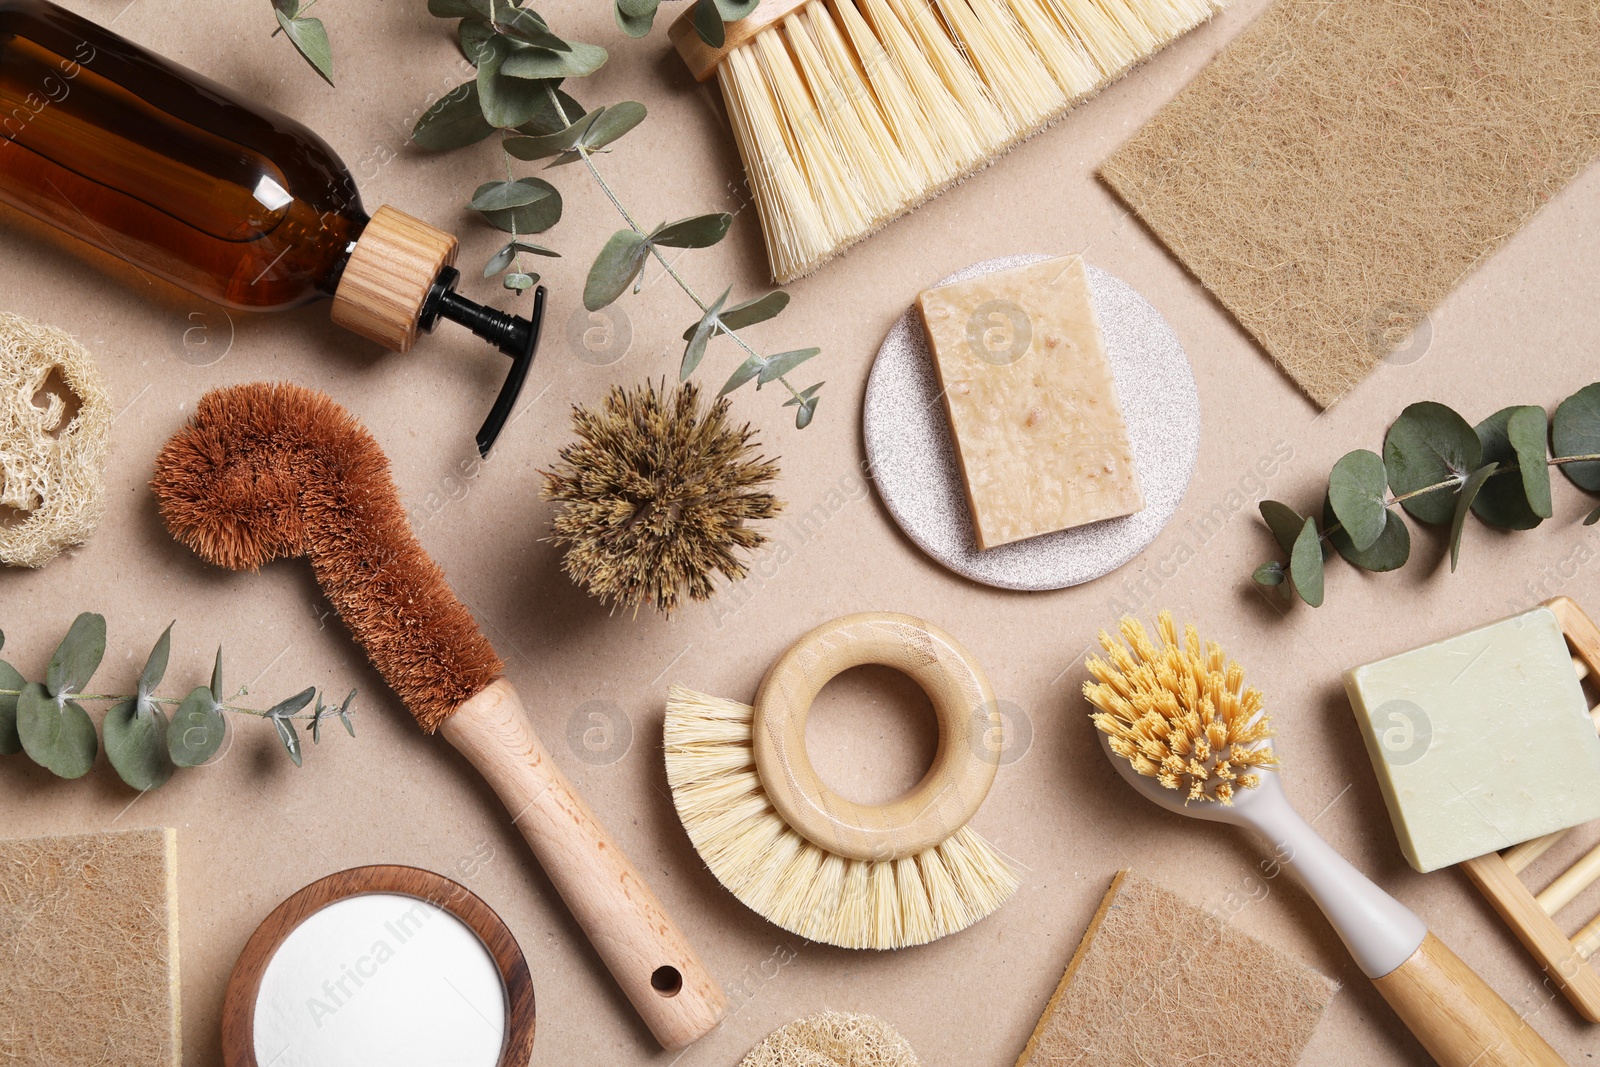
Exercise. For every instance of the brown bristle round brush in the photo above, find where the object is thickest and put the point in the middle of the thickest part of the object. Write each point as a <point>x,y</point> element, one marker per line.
<point>276,470</point>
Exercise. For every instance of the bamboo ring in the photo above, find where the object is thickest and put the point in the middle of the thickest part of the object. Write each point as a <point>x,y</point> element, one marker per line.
<point>963,767</point>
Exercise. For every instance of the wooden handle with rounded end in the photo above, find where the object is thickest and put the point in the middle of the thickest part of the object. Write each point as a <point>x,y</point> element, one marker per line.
<point>1458,1018</point>
<point>640,944</point>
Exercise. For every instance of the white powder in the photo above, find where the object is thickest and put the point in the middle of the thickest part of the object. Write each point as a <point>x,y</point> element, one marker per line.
<point>381,980</point>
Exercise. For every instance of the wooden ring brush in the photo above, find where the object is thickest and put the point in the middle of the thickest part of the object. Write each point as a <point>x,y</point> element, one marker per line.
<point>1181,727</point>
<point>814,862</point>
<point>270,470</point>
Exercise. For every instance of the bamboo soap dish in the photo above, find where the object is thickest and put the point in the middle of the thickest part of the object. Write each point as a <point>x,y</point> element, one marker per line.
<point>1532,916</point>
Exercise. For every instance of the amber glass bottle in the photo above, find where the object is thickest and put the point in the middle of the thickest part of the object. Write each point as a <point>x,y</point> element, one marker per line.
<point>189,182</point>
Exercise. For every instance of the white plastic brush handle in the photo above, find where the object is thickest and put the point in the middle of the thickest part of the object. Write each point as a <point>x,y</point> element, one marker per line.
<point>1380,932</point>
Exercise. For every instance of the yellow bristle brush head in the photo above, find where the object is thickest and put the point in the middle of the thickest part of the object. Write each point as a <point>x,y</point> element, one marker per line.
<point>1179,713</point>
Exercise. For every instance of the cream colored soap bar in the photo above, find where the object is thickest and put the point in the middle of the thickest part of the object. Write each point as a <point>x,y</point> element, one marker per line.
<point>1032,404</point>
<point>1481,741</point>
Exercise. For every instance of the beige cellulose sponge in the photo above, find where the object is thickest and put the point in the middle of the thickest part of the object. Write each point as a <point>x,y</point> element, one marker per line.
<point>52,458</point>
<point>834,1039</point>
<point>1157,982</point>
<point>89,951</point>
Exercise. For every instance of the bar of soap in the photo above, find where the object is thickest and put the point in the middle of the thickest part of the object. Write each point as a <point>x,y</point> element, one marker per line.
<point>1480,741</point>
<point>1032,404</point>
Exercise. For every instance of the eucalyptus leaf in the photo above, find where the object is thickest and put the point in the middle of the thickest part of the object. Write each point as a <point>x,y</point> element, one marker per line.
<point>1458,521</point>
<point>519,282</point>
<point>502,196</point>
<point>541,146</point>
<point>197,729</point>
<point>1592,518</point>
<point>743,373</point>
<point>292,705</point>
<point>1284,522</point>
<point>526,26</point>
<point>579,61</point>
<point>344,714</point>
<point>310,39</point>
<point>1357,489</point>
<point>459,9</point>
<point>613,122</point>
<point>534,217</point>
<point>776,366</point>
<point>216,675</point>
<point>1305,564</point>
<point>708,23</point>
<point>695,350</point>
<point>136,744</point>
<point>635,17</point>
<point>1430,444</point>
<point>806,401</point>
<point>454,121</point>
<point>734,10</point>
<point>748,313</point>
<point>556,112</point>
<point>58,735</point>
<point>10,743</point>
<point>615,268</point>
<point>1575,431</point>
<point>1269,574</point>
<point>503,258</point>
<point>155,665</point>
<point>473,35</point>
<point>505,101</point>
<point>698,231</point>
<point>78,656</point>
<point>1518,496</point>
<point>290,739</point>
<point>1389,552</point>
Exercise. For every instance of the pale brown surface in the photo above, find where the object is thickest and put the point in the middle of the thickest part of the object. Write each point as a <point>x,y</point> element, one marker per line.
<point>1157,980</point>
<point>253,828</point>
<point>1333,176</point>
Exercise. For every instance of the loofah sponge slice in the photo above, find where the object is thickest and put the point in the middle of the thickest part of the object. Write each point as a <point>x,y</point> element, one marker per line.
<point>89,950</point>
<point>51,459</point>
<point>834,1039</point>
<point>1158,981</point>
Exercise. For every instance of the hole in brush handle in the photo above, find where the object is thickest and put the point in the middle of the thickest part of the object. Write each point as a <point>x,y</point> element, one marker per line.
<point>667,980</point>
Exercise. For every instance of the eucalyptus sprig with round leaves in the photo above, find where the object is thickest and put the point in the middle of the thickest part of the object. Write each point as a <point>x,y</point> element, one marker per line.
<point>1438,468</point>
<point>518,94</point>
<point>47,721</point>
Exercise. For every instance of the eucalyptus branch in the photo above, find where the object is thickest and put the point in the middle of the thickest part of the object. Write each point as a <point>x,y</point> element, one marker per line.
<point>1437,468</point>
<point>47,721</point>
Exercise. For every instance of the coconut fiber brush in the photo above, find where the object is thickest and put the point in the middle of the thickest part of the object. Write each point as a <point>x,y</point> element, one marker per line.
<point>270,470</point>
<point>849,113</point>
<point>1183,729</point>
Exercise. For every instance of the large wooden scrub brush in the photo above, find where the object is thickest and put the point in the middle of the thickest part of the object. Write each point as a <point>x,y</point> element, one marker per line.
<point>270,470</point>
<point>849,113</point>
<point>815,863</point>
<point>1181,727</point>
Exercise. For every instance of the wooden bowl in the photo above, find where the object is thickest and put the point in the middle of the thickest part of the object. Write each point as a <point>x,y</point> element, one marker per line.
<point>244,985</point>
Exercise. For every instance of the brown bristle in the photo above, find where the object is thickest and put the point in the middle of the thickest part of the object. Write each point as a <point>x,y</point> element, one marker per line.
<point>272,470</point>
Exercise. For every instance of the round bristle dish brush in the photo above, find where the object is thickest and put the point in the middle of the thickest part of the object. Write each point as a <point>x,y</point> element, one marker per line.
<point>804,857</point>
<point>276,470</point>
<point>1182,728</point>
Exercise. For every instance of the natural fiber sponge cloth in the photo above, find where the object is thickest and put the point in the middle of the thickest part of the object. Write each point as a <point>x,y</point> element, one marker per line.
<point>1033,408</point>
<point>1480,741</point>
<point>89,950</point>
<point>1158,981</point>
<point>834,1039</point>
<point>52,458</point>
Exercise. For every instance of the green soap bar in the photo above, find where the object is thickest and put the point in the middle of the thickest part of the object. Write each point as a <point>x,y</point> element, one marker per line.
<point>1480,741</point>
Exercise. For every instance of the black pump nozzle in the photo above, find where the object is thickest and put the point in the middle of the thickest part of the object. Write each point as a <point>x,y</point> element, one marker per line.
<point>516,337</point>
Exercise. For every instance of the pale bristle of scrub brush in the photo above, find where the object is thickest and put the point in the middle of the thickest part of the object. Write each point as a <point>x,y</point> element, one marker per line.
<point>805,889</point>
<point>849,113</point>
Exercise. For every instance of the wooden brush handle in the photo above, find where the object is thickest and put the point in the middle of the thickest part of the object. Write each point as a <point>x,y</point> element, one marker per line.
<point>1458,1018</point>
<point>701,58</point>
<point>645,951</point>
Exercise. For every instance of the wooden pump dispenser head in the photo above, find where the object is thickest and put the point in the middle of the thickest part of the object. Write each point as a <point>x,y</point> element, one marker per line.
<point>187,181</point>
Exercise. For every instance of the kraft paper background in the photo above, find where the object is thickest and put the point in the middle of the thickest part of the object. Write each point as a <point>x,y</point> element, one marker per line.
<point>252,828</point>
